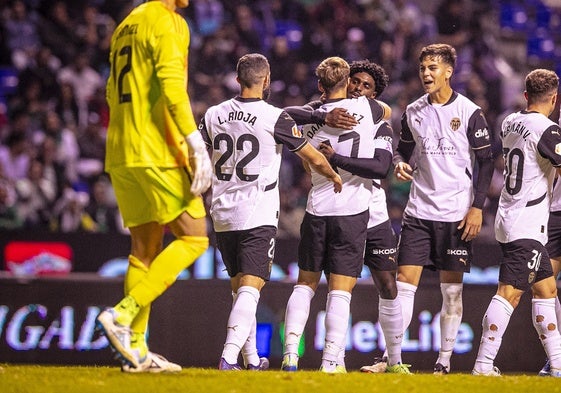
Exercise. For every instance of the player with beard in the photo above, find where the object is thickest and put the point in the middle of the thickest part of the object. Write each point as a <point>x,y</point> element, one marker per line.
<point>245,136</point>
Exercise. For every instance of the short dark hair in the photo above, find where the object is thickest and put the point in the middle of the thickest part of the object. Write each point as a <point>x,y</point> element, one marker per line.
<point>252,68</point>
<point>445,52</point>
<point>540,85</point>
<point>376,71</point>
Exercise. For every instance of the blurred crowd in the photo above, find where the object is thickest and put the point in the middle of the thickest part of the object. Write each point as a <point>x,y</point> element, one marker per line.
<point>54,63</point>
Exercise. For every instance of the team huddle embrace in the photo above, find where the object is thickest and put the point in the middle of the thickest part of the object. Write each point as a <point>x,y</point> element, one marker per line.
<point>161,163</point>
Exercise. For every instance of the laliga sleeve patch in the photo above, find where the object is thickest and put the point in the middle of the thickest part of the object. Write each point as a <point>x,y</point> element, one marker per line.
<point>558,149</point>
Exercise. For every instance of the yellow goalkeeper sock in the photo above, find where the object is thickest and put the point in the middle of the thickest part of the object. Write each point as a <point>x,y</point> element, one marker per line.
<point>138,342</point>
<point>163,271</point>
<point>127,309</point>
<point>135,273</point>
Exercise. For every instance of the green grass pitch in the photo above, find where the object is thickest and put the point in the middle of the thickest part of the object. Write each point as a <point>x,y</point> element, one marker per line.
<point>59,379</point>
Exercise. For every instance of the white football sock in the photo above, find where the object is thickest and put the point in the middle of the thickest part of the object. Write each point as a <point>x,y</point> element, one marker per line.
<point>242,316</point>
<point>343,351</point>
<point>391,322</point>
<point>336,322</point>
<point>341,356</point>
<point>545,323</point>
<point>558,313</point>
<point>406,296</point>
<point>249,349</point>
<point>495,322</point>
<point>296,316</point>
<point>450,320</point>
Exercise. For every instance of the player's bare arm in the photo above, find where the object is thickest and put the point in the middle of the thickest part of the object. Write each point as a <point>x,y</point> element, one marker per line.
<point>403,171</point>
<point>316,160</point>
<point>340,118</point>
<point>387,110</point>
<point>471,224</point>
<point>306,167</point>
<point>326,150</point>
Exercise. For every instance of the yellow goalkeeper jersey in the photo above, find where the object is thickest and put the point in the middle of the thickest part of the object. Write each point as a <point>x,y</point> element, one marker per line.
<point>150,112</point>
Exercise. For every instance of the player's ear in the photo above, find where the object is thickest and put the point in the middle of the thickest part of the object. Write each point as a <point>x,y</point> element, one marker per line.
<point>320,87</point>
<point>449,72</point>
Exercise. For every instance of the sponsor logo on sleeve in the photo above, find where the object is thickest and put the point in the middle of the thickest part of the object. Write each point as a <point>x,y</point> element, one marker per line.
<point>482,133</point>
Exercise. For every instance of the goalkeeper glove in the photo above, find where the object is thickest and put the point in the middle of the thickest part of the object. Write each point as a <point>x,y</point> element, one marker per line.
<point>200,163</point>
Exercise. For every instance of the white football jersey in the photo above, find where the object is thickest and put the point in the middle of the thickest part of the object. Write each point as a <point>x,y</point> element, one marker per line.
<point>378,206</point>
<point>246,138</point>
<point>556,197</point>
<point>531,149</point>
<point>358,142</point>
<point>445,137</point>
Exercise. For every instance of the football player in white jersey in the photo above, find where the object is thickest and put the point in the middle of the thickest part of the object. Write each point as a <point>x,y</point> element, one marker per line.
<point>245,136</point>
<point>333,232</point>
<point>443,136</point>
<point>554,250</point>
<point>368,79</point>
<point>532,153</point>
<point>553,247</point>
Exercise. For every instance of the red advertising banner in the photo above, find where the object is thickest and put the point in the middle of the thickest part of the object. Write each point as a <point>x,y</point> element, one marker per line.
<point>31,258</point>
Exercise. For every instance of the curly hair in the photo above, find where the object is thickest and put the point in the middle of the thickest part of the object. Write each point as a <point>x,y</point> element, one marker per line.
<point>377,72</point>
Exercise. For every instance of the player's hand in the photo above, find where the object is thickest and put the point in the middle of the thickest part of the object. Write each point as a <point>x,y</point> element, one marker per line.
<point>337,183</point>
<point>403,171</point>
<point>340,118</point>
<point>200,163</point>
<point>326,150</point>
<point>471,224</point>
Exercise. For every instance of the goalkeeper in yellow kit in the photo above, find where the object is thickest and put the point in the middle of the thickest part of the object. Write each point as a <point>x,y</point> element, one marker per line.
<point>159,168</point>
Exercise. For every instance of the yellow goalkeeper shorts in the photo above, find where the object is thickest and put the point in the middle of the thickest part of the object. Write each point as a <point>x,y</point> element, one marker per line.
<point>146,194</point>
